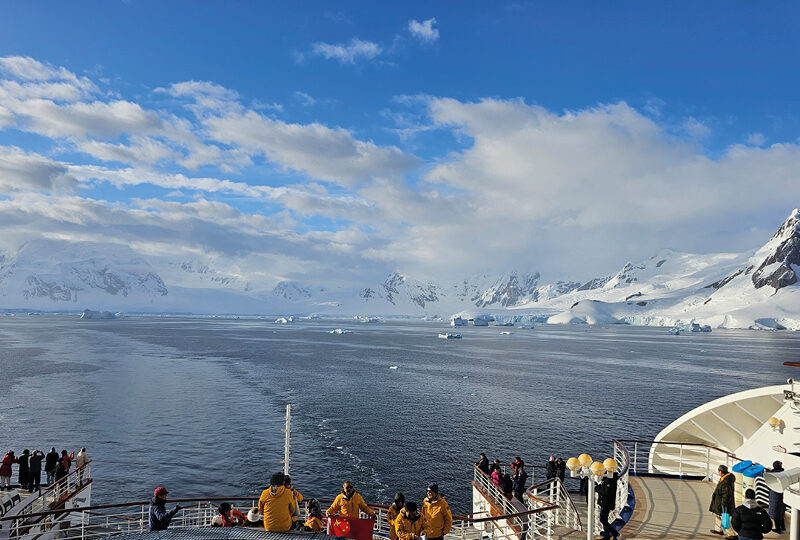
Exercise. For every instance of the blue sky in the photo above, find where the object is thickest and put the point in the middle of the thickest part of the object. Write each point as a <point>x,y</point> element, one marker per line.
<point>440,139</point>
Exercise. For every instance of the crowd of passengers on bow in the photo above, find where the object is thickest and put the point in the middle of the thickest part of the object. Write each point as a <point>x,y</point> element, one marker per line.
<point>278,510</point>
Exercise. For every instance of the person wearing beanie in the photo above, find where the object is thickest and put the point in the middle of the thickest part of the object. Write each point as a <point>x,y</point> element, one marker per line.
<point>254,519</point>
<point>409,524</point>
<point>159,518</point>
<point>394,510</point>
<point>277,505</point>
<point>722,498</point>
<point>750,520</point>
<point>777,508</point>
<point>436,515</point>
<point>550,469</point>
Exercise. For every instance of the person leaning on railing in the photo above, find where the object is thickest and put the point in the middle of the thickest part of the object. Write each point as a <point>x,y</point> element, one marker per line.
<point>158,518</point>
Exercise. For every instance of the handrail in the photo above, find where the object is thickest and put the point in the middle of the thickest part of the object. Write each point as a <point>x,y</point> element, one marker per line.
<point>641,441</point>
<point>625,453</point>
<point>550,481</point>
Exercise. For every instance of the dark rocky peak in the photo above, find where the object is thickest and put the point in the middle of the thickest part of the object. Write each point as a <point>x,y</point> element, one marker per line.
<point>779,267</point>
<point>290,290</point>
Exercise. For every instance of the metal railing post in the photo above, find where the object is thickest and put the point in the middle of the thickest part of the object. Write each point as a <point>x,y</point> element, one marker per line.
<point>680,460</point>
<point>708,463</point>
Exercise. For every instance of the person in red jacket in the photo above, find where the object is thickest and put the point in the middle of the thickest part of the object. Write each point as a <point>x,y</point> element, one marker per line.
<point>5,470</point>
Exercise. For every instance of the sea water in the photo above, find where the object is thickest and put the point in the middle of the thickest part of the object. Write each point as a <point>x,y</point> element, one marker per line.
<point>198,404</point>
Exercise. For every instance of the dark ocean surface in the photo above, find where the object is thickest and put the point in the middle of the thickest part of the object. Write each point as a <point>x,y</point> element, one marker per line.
<point>198,404</point>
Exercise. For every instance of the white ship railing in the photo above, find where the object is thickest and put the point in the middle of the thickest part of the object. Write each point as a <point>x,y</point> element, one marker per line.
<point>680,459</point>
<point>108,520</point>
<point>535,518</point>
<point>553,491</point>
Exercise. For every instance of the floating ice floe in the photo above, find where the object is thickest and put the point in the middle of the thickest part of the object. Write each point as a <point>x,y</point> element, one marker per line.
<point>284,320</point>
<point>448,335</point>
<point>505,333</point>
<point>697,328</point>
<point>526,326</point>
<point>674,331</point>
<point>392,367</point>
<point>339,331</point>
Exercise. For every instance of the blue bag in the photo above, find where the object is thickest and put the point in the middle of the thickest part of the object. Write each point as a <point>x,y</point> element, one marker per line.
<point>726,519</point>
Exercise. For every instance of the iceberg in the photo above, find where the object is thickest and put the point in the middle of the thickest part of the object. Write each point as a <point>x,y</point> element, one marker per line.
<point>89,314</point>
<point>339,331</point>
<point>458,321</point>
<point>448,335</point>
<point>698,328</point>
<point>482,320</point>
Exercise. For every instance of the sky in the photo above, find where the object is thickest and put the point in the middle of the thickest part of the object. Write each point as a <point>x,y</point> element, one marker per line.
<point>331,142</point>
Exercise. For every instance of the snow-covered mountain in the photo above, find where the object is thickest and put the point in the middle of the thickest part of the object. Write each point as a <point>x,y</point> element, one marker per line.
<point>756,289</point>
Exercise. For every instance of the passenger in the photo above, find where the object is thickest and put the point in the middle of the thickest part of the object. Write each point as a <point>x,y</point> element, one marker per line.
<point>50,465</point>
<point>224,519</point>
<point>436,515</point>
<point>495,466</point>
<point>314,521</point>
<point>507,486</point>
<point>497,477</point>
<point>24,470</point>
<point>61,473</point>
<point>561,469</point>
<point>750,520</point>
<point>237,517</point>
<point>66,459</point>
<point>80,462</point>
<point>551,469</point>
<point>607,500</point>
<point>5,470</point>
<point>298,498</point>
<point>483,464</point>
<point>159,518</point>
<point>276,504</point>
<point>396,507</point>
<point>777,508</point>
<point>722,499</point>
<point>520,479</point>
<point>409,524</point>
<point>35,463</point>
<point>254,519</point>
<point>349,502</point>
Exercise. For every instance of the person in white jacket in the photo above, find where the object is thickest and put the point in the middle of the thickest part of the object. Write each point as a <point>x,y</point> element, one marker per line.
<point>80,462</point>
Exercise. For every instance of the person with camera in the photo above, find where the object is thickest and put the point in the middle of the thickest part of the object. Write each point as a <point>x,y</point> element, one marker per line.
<point>159,518</point>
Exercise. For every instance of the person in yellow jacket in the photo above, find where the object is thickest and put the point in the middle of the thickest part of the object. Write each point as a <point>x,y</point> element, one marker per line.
<point>348,503</point>
<point>314,521</point>
<point>277,505</point>
<point>409,524</point>
<point>298,498</point>
<point>436,514</point>
<point>392,513</point>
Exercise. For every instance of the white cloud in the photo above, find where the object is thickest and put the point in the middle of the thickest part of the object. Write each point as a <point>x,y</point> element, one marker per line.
<point>27,69</point>
<point>21,171</point>
<point>350,53</point>
<point>324,153</point>
<point>6,117</point>
<point>424,31</point>
<point>144,150</point>
<point>756,139</point>
<point>695,128</point>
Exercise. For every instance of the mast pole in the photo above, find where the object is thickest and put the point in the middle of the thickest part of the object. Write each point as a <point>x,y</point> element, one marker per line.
<point>287,431</point>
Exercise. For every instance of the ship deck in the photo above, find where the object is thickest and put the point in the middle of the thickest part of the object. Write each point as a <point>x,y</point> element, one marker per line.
<point>665,508</point>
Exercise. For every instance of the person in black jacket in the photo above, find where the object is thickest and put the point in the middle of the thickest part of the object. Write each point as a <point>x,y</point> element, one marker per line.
<point>50,461</point>
<point>35,464</point>
<point>777,508</point>
<point>750,520</point>
<point>483,464</point>
<point>550,469</point>
<point>24,470</point>
<point>561,469</point>
<point>606,500</point>
<point>159,517</point>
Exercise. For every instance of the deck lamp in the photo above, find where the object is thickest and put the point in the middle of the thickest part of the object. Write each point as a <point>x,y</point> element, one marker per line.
<point>774,423</point>
<point>585,467</point>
